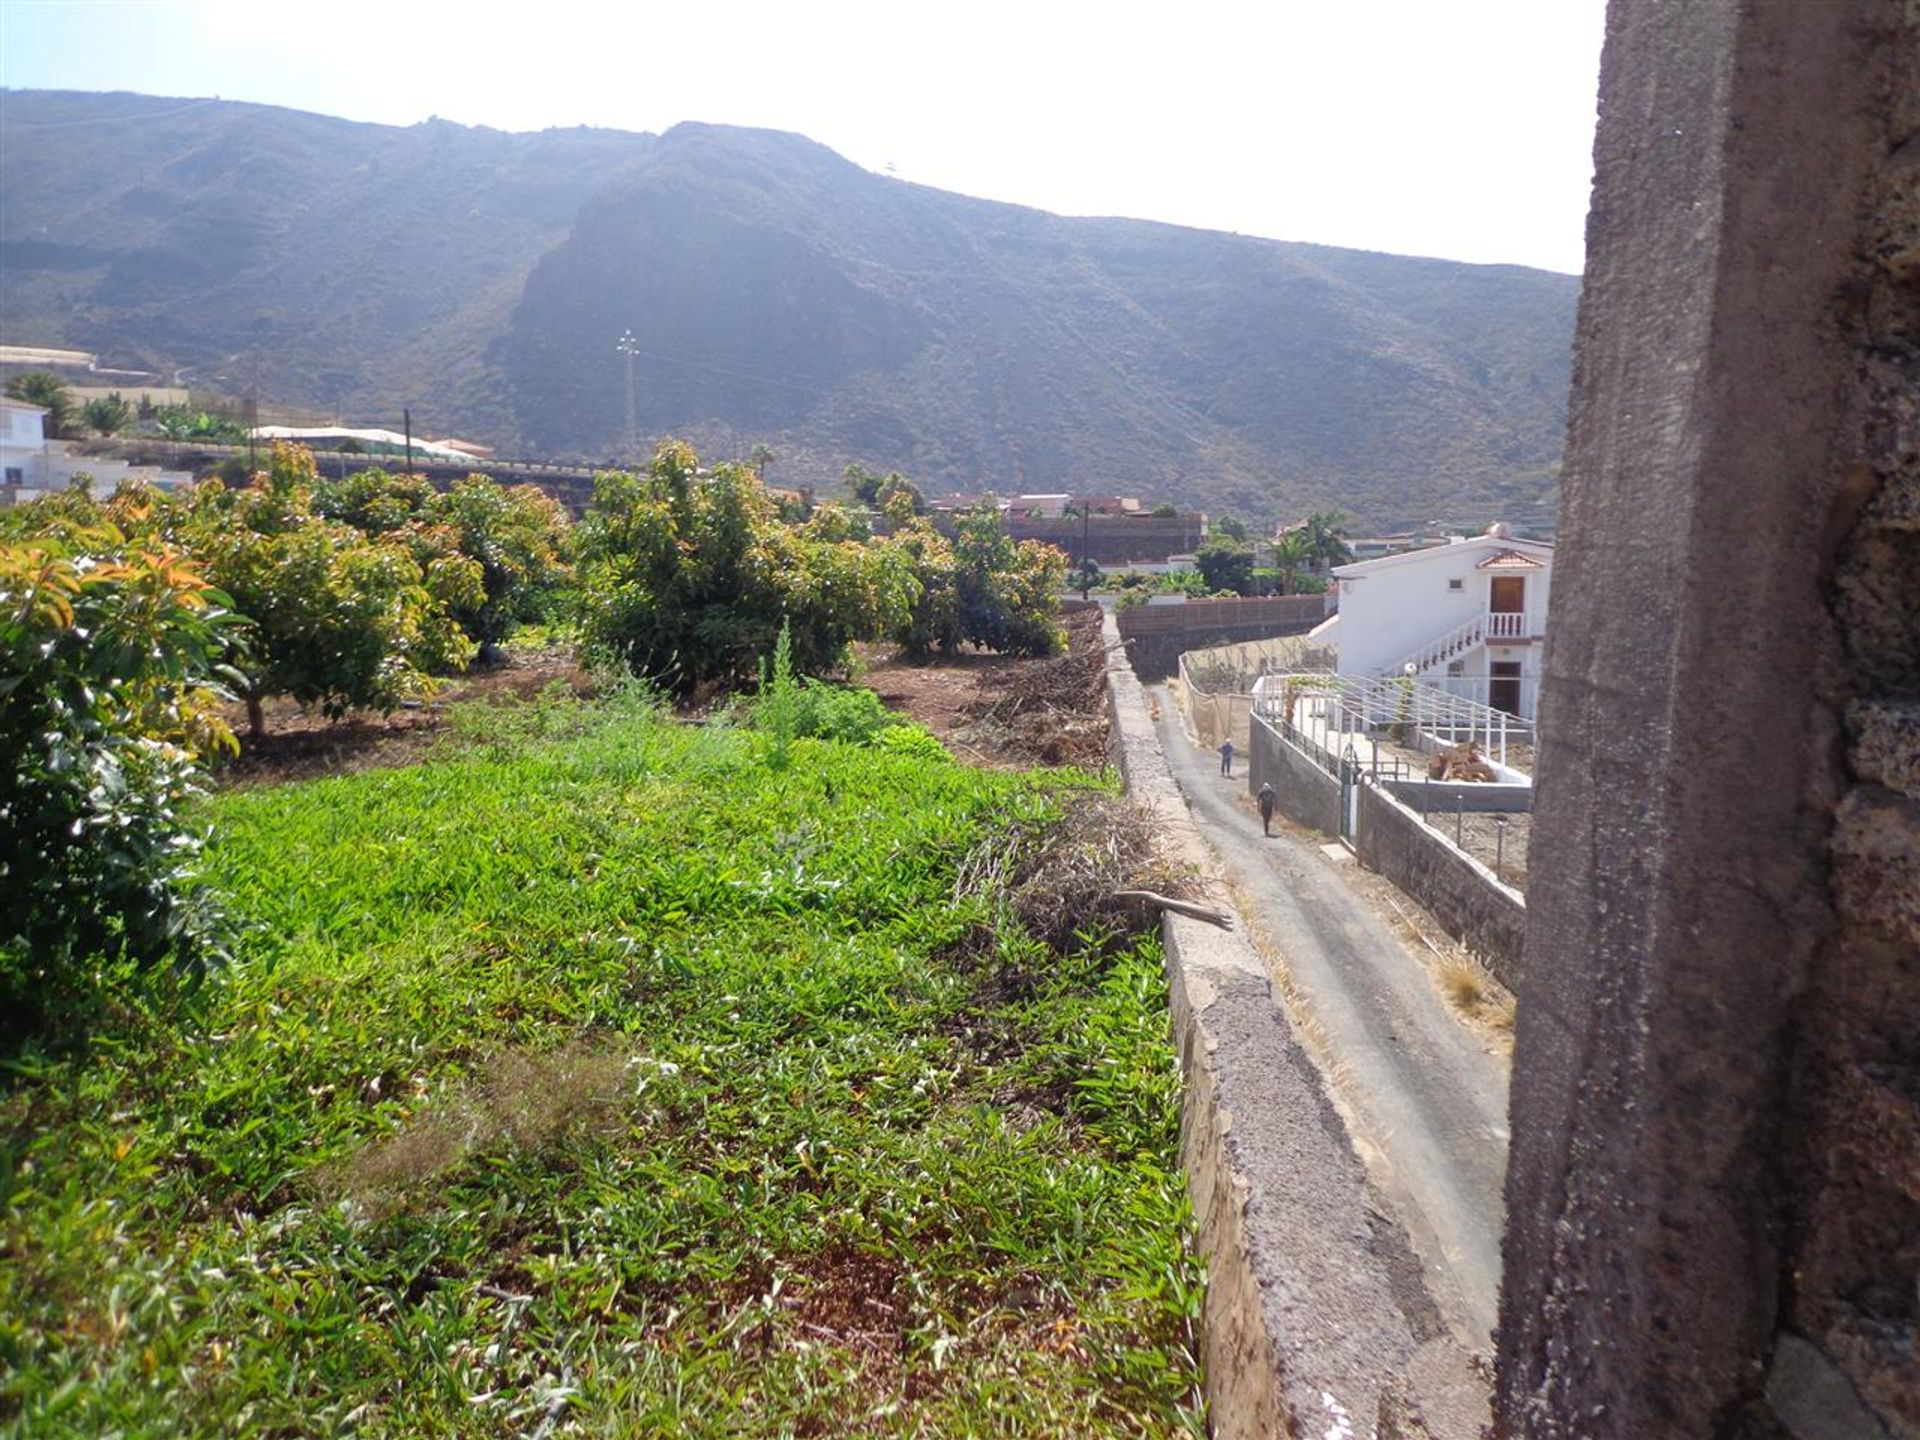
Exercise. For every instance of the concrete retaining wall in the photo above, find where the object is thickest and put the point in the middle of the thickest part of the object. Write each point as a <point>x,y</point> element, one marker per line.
<point>1307,794</point>
<point>1487,917</point>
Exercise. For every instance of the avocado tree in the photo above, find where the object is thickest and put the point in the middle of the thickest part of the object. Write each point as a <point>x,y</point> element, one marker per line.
<point>337,619</point>
<point>110,667</point>
<point>687,577</point>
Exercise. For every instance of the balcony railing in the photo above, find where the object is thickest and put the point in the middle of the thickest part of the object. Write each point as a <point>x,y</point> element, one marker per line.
<point>1507,625</point>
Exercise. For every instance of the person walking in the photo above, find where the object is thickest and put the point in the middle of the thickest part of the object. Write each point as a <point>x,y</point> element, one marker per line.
<point>1226,758</point>
<point>1265,801</point>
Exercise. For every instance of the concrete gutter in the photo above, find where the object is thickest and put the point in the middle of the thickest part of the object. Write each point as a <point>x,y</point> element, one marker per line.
<point>1317,1320</point>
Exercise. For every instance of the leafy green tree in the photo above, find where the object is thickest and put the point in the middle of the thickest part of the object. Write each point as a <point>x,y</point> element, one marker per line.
<point>1230,528</point>
<point>1164,512</point>
<point>516,537</point>
<point>178,422</point>
<point>49,391</point>
<point>338,619</point>
<point>1226,565</point>
<point>863,485</point>
<point>898,486</point>
<point>688,579</point>
<point>982,588</point>
<point>110,659</point>
<point>106,414</point>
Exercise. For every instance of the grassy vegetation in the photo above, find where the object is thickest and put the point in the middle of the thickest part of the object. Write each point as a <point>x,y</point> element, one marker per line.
<point>597,1073</point>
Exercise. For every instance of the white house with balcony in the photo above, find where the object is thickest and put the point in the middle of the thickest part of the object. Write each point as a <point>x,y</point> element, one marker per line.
<point>1467,617</point>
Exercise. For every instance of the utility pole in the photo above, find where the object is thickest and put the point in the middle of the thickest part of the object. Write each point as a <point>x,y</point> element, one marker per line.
<point>628,348</point>
<point>406,418</point>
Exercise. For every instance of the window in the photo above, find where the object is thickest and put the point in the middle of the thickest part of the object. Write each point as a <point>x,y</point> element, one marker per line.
<point>16,475</point>
<point>1456,667</point>
<point>1456,584</point>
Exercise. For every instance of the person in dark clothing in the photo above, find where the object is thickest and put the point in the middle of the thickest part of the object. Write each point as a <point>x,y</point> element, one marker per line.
<point>1265,801</point>
<point>1226,759</point>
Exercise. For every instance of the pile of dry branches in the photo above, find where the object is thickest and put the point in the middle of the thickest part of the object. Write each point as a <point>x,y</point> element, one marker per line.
<point>1098,872</point>
<point>1055,709</point>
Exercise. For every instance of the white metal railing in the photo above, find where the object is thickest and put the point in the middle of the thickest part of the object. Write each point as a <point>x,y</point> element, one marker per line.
<point>1403,708</point>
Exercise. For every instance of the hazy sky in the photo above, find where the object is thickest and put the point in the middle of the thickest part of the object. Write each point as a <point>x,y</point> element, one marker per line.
<point>1460,128</point>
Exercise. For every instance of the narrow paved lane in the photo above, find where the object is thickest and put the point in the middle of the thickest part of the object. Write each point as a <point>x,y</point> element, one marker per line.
<point>1422,1088</point>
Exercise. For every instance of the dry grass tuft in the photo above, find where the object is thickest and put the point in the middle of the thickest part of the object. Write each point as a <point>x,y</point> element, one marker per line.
<point>523,1100</point>
<point>1058,877</point>
<point>1475,994</point>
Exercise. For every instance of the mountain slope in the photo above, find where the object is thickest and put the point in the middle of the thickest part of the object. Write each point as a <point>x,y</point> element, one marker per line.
<point>780,294</point>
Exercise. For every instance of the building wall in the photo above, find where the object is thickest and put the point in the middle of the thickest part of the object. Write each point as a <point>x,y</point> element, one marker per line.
<point>21,426</point>
<point>1386,613</point>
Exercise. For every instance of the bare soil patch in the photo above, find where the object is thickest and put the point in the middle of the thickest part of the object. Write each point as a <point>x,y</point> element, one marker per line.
<point>1002,710</point>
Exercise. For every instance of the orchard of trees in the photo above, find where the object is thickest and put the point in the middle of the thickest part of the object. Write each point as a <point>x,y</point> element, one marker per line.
<point>129,625</point>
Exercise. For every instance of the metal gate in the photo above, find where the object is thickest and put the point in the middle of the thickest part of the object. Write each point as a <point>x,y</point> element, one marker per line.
<point>1349,796</point>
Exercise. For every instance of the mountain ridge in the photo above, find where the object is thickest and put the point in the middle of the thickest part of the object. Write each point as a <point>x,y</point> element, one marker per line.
<point>781,293</point>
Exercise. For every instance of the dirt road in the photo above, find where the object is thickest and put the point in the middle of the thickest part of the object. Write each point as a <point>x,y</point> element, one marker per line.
<point>1421,1090</point>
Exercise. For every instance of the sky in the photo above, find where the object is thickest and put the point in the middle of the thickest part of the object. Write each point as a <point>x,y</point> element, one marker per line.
<point>1453,128</point>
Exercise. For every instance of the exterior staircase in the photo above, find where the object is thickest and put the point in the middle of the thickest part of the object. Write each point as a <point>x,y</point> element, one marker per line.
<point>1450,646</point>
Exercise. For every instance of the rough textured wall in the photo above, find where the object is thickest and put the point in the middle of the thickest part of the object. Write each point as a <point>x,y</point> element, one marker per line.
<point>1713,1094</point>
<point>1303,791</point>
<point>1854,1251</point>
<point>1488,919</point>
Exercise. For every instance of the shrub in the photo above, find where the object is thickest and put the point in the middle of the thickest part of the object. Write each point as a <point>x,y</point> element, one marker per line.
<point>109,661</point>
<point>910,740</point>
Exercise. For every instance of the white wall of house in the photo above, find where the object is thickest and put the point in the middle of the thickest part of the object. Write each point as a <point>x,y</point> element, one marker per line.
<point>1393,610</point>
<point>32,466</point>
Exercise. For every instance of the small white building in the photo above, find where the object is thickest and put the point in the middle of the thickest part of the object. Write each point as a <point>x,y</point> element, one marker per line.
<point>32,465</point>
<point>1468,617</point>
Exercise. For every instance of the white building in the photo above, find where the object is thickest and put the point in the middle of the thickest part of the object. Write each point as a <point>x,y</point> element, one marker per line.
<point>32,465</point>
<point>1468,616</point>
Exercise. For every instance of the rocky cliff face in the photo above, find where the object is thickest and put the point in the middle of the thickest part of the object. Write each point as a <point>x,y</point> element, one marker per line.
<point>779,293</point>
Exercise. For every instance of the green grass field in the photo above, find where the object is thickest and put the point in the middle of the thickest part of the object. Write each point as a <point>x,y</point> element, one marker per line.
<point>597,1074</point>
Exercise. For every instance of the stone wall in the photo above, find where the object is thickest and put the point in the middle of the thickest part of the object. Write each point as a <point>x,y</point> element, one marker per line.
<point>1304,792</point>
<point>1487,917</point>
<point>1714,1186</point>
<point>1155,636</point>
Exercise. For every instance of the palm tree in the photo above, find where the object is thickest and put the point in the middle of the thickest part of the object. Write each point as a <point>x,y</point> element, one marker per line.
<point>759,458</point>
<point>1290,552</point>
<point>107,414</point>
<point>1326,539</point>
<point>49,392</point>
